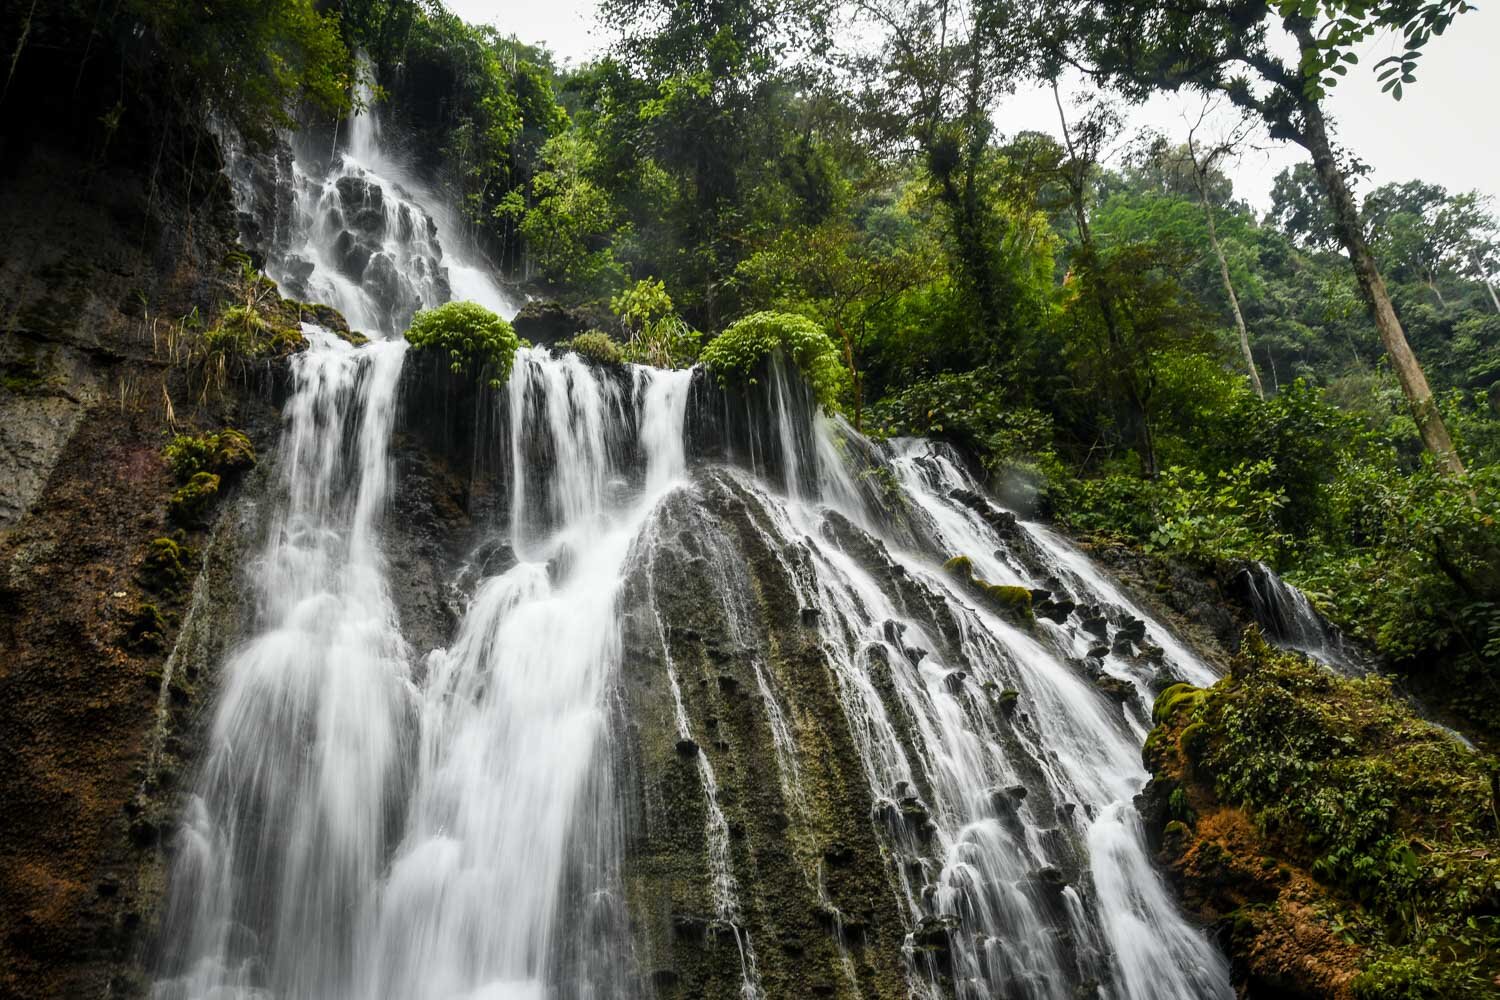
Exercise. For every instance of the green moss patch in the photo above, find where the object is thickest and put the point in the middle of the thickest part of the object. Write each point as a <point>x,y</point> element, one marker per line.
<point>165,568</point>
<point>1010,602</point>
<point>223,453</point>
<point>192,502</point>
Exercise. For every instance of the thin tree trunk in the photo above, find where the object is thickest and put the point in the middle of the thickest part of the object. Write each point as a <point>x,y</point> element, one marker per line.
<point>1346,218</point>
<point>1234,300</point>
<point>1432,286</point>
<point>1490,285</point>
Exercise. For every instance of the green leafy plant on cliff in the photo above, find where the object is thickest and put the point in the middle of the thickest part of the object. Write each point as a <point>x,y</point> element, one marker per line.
<point>472,339</point>
<point>735,354</point>
<point>658,335</point>
<point>1395,816</point>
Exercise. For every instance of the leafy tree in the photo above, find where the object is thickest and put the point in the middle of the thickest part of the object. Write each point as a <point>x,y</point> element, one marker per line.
<point>841,279</point>
<point>1300,209</point>
<point>1425,234</point>
<point>473,339</point>
<point>1207,44</point>
<point>571,219</point>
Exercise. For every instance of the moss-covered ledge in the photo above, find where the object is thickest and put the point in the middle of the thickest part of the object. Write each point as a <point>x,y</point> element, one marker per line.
<point>1343,847</point>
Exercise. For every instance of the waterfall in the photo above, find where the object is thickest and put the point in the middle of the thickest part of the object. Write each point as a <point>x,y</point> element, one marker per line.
<point>287,831</point>
<point>473,821</point>
<point>1291,622</point>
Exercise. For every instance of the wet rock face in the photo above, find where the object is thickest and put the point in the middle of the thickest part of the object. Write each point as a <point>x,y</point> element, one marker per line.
<point>722,640</point>
<point>547,323</point>
<point>87,615</point>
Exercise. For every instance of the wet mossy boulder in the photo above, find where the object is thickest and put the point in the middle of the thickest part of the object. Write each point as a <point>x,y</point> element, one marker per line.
<point>547,323</point>
<point>1012,603</point>
<point>1174,699</point>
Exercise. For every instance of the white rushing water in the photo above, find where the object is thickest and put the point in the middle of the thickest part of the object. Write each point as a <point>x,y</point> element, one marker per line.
<point>1290,621</point>
<point>374,821</point>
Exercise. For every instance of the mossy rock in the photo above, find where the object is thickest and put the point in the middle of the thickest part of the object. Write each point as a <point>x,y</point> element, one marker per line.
<point>224,453</point>
<point>164,570</point>
<point>233,452</point>
<point>146,629</point>
<point>194,500</point>
<point>961,567</point>
<point>1012,602</point>
<point>1174,698</point>
<point>1194,741</point>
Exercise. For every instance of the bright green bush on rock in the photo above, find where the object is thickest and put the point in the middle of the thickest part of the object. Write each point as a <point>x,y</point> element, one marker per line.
<point>473,338</point>
<point>733,355</point>
<point>596,346</point>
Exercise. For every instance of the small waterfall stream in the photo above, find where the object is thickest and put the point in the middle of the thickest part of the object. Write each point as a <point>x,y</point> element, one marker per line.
<point>377,821</point>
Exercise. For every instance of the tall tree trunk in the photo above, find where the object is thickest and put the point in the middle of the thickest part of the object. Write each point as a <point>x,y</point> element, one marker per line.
<point>1314,136</point>
<point>1234,300</point>
<point>1137,416</point>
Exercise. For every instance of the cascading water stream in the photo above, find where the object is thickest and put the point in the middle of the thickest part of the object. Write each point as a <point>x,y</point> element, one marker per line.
<point>289,827</point>
<point>1290,620</point>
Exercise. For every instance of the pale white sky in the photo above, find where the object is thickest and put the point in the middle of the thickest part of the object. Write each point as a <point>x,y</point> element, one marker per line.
<point>1445,130</point>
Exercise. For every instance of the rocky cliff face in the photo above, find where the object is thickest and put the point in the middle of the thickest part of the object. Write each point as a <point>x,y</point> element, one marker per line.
<point>95,264</point>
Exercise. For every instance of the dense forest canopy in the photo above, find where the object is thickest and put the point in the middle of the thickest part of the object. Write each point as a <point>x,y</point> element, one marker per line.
<point>1116,336</point>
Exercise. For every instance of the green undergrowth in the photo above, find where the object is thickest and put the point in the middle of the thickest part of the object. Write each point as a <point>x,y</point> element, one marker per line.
<point>734,355</point>
<point>472,338</point>
<point>1391,813</point>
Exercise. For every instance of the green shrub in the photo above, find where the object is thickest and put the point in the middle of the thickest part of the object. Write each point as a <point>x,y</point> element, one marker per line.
<point>972,410</point>
<point>596,346</point>
<point>473,338</point>
<point>248,333</point>
<point>734,354</point>
<point>658,335</point>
